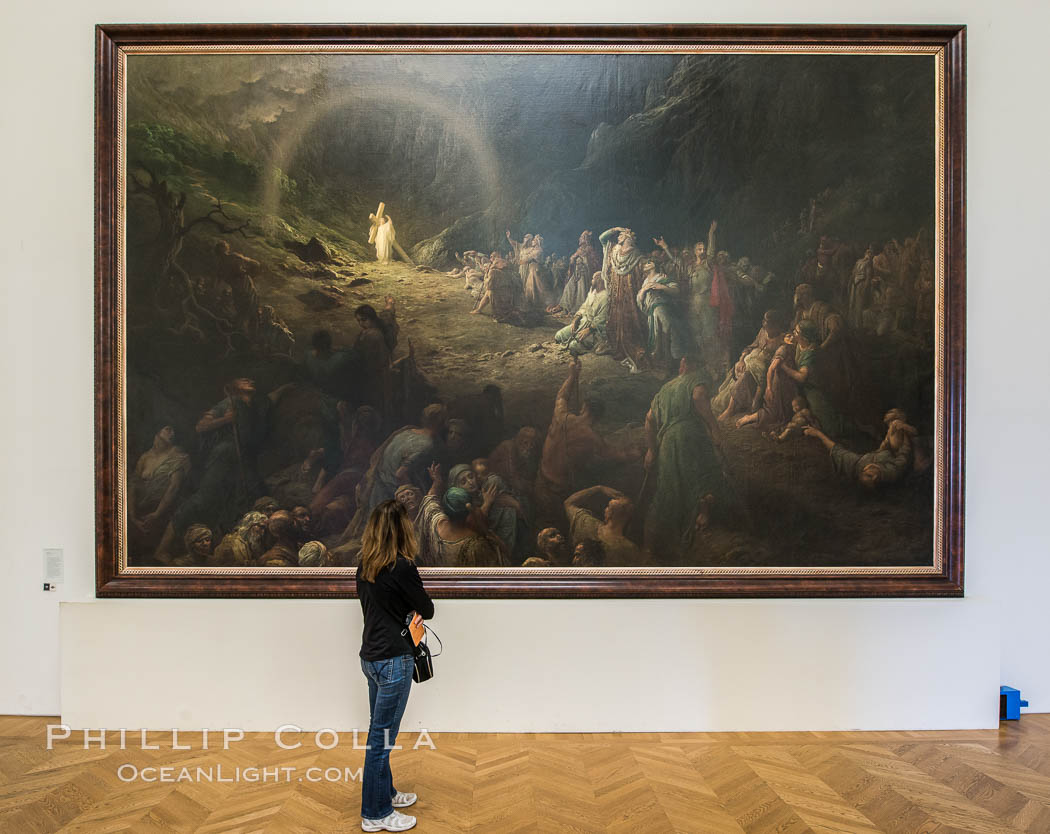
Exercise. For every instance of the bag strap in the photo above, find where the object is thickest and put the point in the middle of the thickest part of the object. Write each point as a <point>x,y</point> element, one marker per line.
<point>408,637</point>
<point>441,646</point>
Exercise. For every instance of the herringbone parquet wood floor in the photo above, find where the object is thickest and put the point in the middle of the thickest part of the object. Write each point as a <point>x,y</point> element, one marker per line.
<point>907,782</point>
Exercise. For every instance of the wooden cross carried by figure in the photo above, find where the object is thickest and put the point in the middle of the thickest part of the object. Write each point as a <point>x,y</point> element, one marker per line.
<point>377,220</point>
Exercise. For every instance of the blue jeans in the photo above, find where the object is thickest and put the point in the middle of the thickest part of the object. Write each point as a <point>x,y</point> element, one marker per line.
<point>389,682</point>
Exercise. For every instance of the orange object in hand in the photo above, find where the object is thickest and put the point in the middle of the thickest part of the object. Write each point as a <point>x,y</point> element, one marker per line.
<point>415,628</point>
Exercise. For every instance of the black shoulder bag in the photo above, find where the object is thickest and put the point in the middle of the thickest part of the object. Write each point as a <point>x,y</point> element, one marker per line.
<point>421,656</point>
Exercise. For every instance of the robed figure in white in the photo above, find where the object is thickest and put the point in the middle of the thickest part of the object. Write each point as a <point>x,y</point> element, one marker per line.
<point>382,234</point>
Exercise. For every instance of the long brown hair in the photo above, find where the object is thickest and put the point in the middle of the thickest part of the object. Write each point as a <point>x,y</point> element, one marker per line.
<point>388,534</point>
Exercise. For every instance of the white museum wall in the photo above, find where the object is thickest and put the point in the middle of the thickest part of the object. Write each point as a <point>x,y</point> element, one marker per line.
<point>583,666</point>
<point>749,664</point>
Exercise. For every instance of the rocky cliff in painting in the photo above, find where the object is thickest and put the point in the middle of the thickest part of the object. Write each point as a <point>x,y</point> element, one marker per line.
<point>667,144</point>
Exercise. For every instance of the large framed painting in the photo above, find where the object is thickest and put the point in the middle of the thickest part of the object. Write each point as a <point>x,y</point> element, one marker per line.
<point>611,311</point>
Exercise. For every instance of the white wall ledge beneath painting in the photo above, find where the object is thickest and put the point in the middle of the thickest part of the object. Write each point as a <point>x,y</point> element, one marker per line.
<point>559,666</point>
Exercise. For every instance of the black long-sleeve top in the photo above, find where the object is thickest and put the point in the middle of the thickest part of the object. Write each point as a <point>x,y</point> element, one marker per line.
<point>386,603</point>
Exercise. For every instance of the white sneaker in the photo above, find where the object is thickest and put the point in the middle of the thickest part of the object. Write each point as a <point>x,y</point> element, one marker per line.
<point>395,821</point>
<point>403,800</point>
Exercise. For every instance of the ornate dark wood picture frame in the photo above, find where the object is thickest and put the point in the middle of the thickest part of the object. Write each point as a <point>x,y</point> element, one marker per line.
<point>603,422</point>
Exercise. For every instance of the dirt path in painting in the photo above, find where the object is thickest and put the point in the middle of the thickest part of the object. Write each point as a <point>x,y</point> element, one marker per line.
<point>460,352</point>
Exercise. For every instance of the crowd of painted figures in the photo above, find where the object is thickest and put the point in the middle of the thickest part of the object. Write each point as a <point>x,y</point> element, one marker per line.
<point>485,491</point>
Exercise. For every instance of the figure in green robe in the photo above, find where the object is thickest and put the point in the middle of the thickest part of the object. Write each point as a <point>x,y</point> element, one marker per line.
<point>658,300</point>
<point>682,433</point>
<point>703,317</point>
<point>808,360</point>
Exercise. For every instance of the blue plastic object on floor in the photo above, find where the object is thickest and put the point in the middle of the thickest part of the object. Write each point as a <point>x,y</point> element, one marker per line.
<point>1010,703</point>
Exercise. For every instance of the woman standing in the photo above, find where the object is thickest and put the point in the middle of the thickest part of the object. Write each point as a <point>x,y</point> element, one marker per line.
<point>390,589</point>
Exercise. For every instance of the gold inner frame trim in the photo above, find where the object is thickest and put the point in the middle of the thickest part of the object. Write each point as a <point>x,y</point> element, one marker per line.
<point>940,267</point>
<point>523,49</point>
